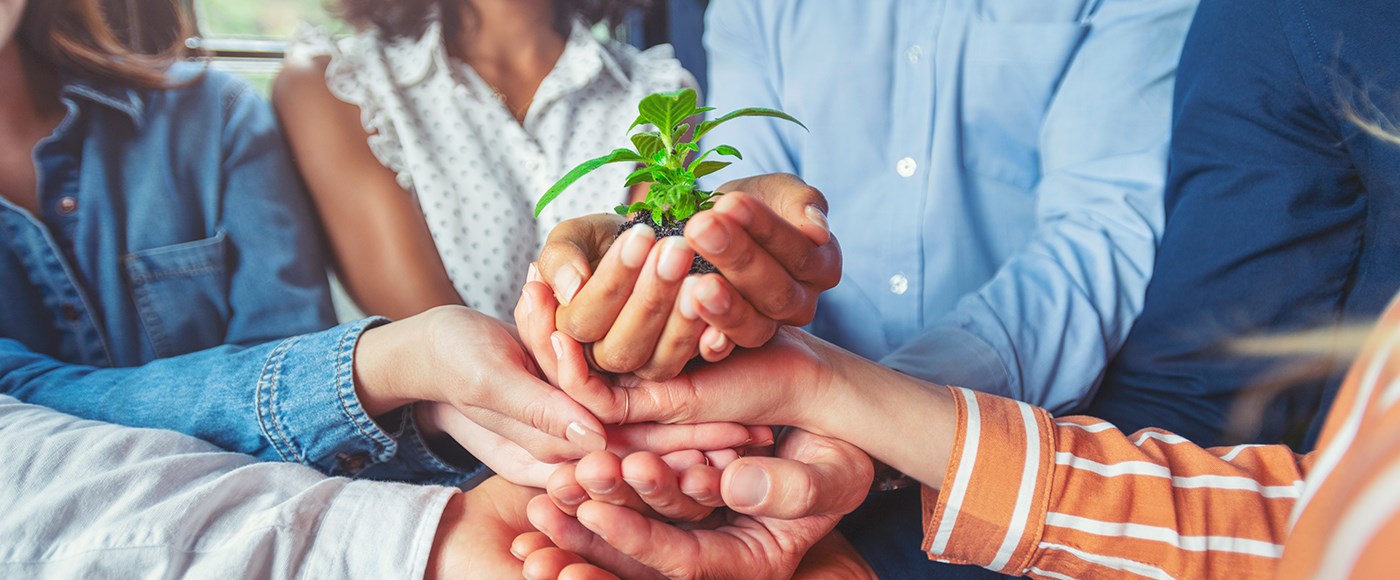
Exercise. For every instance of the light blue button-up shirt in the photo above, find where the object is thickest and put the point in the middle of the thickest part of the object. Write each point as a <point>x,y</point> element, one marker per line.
<point>995,171</point>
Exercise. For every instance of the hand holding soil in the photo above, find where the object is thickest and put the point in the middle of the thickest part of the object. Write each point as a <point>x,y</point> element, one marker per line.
<point>638,305</point>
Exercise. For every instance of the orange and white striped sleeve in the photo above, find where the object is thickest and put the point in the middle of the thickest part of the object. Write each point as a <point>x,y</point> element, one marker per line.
<point>1027,494</point>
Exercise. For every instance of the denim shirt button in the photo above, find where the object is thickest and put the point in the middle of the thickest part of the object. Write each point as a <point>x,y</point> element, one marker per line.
<point>67,205</point>
<point>352,463</point>
<point>69,312</point>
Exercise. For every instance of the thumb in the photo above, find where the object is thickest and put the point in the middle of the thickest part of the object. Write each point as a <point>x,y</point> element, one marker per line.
<point>833,480</point>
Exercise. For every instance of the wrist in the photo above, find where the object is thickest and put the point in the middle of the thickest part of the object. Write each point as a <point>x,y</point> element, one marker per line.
<point>443,560</point>
<point>377,364</point>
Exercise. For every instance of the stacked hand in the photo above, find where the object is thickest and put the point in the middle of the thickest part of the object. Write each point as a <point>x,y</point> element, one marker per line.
<point>632,302</point>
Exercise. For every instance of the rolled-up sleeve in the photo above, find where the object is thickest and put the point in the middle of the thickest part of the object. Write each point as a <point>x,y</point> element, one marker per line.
<point>82,499</point>
<point>292,400</point>
<point>1029,495</point>
<point>1055,312</point>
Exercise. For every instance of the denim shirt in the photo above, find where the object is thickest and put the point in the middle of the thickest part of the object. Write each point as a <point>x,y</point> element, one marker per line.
<point>172,250</point>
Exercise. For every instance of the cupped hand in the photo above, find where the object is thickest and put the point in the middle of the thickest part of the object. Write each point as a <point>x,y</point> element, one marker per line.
<point>633,303</point>
<point>476,531</point>
<point>781,507</point>
<point>510,459</point>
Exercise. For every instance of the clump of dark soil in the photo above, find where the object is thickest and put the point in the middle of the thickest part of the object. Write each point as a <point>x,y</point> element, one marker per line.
<point>698,265</point>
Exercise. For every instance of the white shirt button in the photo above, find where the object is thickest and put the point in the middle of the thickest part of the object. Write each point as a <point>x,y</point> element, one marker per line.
<point>914,54</point>
<point>899,284</point>
<point>906,167</point>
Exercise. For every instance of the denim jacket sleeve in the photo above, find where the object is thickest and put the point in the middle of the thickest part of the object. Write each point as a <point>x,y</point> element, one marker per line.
<point>145,502</point>
<point>292,400</point>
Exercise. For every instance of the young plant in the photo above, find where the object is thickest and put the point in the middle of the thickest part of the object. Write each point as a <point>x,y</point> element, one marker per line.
<point>669,158</point>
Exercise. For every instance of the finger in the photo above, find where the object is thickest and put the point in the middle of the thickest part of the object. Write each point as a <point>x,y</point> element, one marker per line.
<point>659,486</point>
<point>586,572</point>
<point>831,477</point>
<point>640,537</point>
<point>792,199</point>
<point>680,338</point>
<point>525,398</point>
<point>549,563</point>
<point>730,315</point>
<point>632,337</point>
<point>541,446</point>
<point>680,461</point>
<point>714,345</point>
<point>663,439</point>
<point>702,484</point>
<point>563,489</point>
<point>502,454</point>
<point>600,474</point>
<point>529,543</point>
<point>589,316</point>
<point>721,458</point>
<point>758,275</point>
<point>571,250</point>
<point>568,534</point>
<point>534,320</point>
<point>582,385</point>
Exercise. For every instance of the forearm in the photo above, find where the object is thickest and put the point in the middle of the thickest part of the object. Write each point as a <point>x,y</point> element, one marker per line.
<point>293,400</point>
<point>904,422</point>
<point>80,498</point>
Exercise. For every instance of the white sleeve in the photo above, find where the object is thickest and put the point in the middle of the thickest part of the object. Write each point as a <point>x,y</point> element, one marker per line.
<point>83,499</point>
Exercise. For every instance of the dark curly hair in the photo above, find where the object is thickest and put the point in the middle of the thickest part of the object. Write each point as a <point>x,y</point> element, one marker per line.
<point>409,18</point>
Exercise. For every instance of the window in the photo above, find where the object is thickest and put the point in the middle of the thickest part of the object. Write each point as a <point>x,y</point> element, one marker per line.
<point>249,37</point>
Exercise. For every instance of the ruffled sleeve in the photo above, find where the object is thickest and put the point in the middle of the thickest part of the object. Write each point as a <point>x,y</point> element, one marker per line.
<point>358,74</point>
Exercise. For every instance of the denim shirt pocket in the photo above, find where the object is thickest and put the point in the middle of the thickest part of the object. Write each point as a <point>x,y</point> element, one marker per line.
<point>181,294</point>
<point>1011,73</point>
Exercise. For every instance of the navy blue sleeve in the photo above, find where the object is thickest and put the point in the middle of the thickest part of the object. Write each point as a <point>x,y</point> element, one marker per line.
<point>1264,225</point>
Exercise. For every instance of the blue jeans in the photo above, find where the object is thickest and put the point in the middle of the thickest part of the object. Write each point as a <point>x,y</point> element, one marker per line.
<point>887,530</point>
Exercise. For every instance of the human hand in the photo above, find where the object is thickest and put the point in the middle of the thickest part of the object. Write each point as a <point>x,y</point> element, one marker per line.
<point>633,302</point>
<point>476,530</point>
<point>511,461</point>
<point>474,363</point>
<point>782,506</point>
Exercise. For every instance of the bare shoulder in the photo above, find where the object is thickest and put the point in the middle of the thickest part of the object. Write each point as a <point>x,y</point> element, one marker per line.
<point>302,83</point>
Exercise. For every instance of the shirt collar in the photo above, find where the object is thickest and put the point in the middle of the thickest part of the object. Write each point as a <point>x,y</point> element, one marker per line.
<point>117,97</point>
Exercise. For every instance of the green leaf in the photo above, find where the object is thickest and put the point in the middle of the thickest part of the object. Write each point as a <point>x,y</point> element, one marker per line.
<point>707,167</point>
<point>641,175</point>
<point>648,144</point>
<point>631,209</point>
<point>680,132</point>
<point>706,126</point>
<point>685,147</point>
<point>666,110</point>
<point>617,156</point>
<point>728,150</point>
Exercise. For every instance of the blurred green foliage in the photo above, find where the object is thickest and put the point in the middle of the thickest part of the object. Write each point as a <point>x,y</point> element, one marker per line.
<point>269,19</point>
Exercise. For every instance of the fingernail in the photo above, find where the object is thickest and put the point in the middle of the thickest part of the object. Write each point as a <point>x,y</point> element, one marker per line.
<point>736,209</point>
<point>571,495</point>
<point>713,298</point>
<point>818,218</point>
<point>641,486</point>
<point>558,347</point>
<point>525,302</point>
<point>685,301</point>
<point>586,438</point>
<point>719,343</point>
<point>675,259</point>
<point>518,556</point>
<point>534,274</point>
<point>566,284</point>
<point>749,486</point>
<point>700,495</point>
<point>635,247</point>
<point>600,486</point>
<point>710,236</point>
